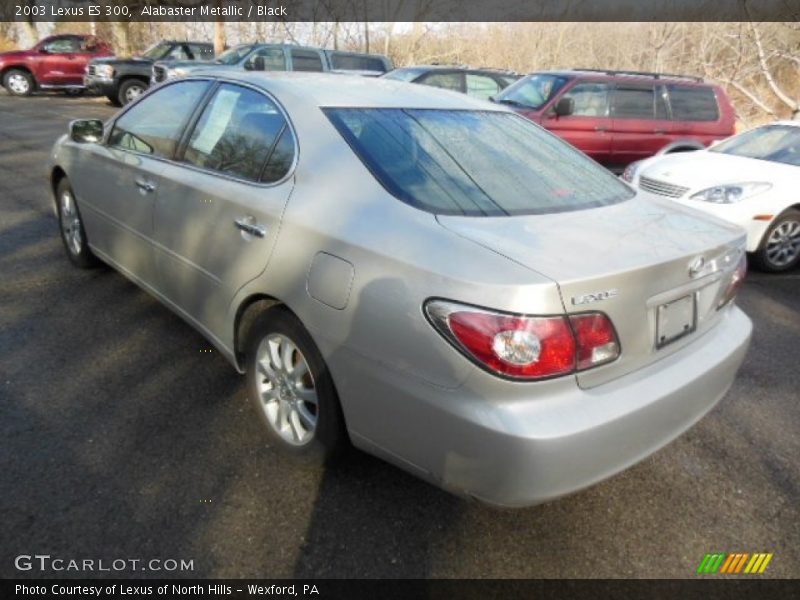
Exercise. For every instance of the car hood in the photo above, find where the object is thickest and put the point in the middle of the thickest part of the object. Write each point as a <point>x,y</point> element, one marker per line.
<point>702,169</point>
<point>625,260</point>
<point>15,54</point>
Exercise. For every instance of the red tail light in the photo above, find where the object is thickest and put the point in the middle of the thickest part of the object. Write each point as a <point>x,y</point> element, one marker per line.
<point>526,347</point>
<point>735,283</point>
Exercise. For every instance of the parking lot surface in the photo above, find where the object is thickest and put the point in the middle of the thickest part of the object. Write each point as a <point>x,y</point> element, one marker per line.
<point>122,436</point>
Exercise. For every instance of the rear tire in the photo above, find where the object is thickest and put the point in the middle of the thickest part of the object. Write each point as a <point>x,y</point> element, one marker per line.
<point>113,99</point>
<point>19,83</point>
<point>292,391</point>
<point>130,90</point>
<point>71,225</point>
<point>780,247</point>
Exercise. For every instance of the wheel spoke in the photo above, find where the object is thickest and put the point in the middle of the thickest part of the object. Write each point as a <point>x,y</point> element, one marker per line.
<point>297,428</point>
<point>309,420</point>
<point>307,395</point>
<point>287,352</point>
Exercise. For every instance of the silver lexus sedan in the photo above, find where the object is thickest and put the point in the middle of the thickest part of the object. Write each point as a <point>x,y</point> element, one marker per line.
<point>428,277</point>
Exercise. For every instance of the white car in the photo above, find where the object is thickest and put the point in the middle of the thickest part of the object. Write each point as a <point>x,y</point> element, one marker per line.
<point>751,179</point>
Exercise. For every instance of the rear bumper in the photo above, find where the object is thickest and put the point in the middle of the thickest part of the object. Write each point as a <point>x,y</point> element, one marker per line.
<point>540,447</point>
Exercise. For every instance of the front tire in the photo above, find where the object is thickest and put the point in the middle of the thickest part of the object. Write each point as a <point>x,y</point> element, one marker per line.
<point>292,390</point>
<point>130,90</point>
<point>780,247</point>
<point>18,83</point>
<point>71,225</point>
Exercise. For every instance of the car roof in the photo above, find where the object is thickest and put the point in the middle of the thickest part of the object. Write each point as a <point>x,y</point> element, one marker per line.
<point>611,75</point>
<point>337,90</point>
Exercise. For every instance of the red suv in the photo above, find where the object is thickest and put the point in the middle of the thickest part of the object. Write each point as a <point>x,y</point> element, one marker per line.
<point>618,117</point>
<point>57,62</point>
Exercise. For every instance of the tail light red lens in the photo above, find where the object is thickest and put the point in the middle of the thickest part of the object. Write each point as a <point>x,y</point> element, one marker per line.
<point>526,347</point>
<point>596,340</point>
<point>735,282</point>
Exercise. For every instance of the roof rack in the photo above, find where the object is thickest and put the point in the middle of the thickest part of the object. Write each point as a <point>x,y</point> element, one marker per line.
<point>644,74</point>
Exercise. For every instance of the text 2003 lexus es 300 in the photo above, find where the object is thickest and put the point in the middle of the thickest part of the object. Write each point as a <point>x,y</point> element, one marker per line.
<point>429,277</point>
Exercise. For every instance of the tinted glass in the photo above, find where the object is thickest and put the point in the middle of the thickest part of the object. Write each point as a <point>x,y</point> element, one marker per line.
<point>532,92</point>
<point>266,59</point>
<point>446,81</point>
<point>481,86</point>
<point>155,124</point>
<point>354,62</point>
<point>306,60</point>
<point>474,163</point>
<point>693,103</point>
<point>591,99</point>
<point>777,143</point>
<point>634,103</point>
<point>201,51</point>
<point>237,135</point>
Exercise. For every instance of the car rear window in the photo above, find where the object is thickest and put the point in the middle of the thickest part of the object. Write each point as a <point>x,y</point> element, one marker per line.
<point>693,103</point>
<point>474,163</point>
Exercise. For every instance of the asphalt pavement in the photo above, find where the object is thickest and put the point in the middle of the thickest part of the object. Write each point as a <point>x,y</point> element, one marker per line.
<point>121,438</point>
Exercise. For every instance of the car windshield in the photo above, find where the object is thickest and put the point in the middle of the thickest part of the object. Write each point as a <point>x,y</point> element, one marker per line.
<point>532,92</point>
<point>157,51</point>
<point>403,74</point>
<point>234,55</point>
<point>474,163</point>
<point>776,143</point>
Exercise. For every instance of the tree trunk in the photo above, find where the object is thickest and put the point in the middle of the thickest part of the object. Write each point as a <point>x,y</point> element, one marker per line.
<point>220,40</point>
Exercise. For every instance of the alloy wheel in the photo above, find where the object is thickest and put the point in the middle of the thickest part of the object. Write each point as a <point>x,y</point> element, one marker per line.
<point>286,389</point>
<point>783,244</point>
<point>71,223</point>
<point>133,92</point>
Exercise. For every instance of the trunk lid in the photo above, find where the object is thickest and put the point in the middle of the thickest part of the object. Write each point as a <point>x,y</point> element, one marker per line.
<point>625,260</point>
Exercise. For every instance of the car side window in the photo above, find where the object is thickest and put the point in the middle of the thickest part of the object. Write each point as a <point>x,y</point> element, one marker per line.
<point>266,59</point>
<point>591,99</point>
<point>481,86</point>
<point>446,81</point>
<point>633,102</point>
<point>243,134</point>
<point>201,52</point>
<point>693,103</point>
<point>306,60</point>
<point>155,124</point>
<point>61,45</point>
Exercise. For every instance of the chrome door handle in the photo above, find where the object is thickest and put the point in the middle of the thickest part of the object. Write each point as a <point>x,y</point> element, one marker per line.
<point>145,186</point>
<point>247,225</point>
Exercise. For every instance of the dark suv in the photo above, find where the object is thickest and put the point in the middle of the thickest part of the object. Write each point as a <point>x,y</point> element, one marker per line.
<point>57,62</point>
<point>480,83</point>
<point>124,79</point>
<point>618,117</point>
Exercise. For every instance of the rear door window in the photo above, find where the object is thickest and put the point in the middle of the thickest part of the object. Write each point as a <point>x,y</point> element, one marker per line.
<point>474,163</point>
<point>155,124</point>
<point>242,133</point>
<point>591,99</point>
<point>306,60</point>
<point>446,81</point>
<point>693,103</point>
<point>633,102</point>
<point>354,62</point>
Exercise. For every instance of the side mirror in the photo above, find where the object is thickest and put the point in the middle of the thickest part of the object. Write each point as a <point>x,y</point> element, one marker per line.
<point>565,106</point>
<point>86,131</point>
<point>44,50</point>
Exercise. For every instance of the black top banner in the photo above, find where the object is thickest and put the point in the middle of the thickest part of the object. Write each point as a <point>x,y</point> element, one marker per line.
<point>400,10</point>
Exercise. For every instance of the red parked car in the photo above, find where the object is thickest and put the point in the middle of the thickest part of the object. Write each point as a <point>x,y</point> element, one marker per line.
<point>57,62</point>
<point>618,117</point>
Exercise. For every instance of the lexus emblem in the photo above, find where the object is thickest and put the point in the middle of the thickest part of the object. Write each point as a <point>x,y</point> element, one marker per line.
<point>696,266</point>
